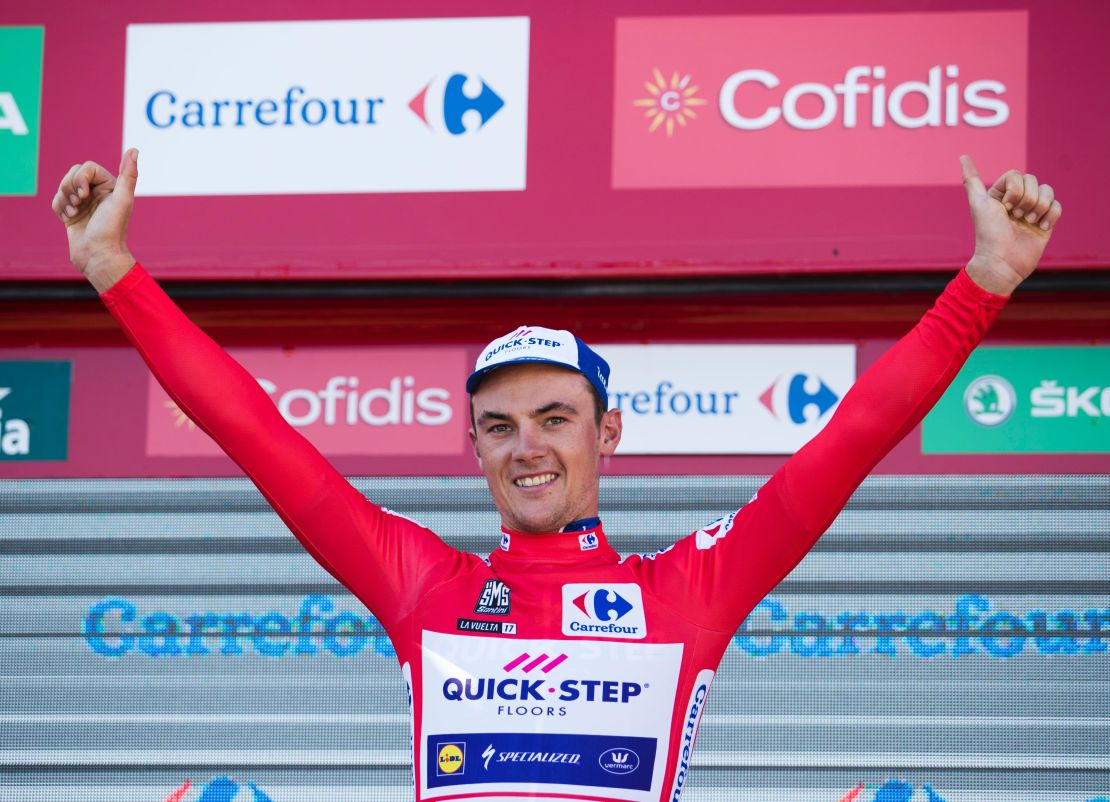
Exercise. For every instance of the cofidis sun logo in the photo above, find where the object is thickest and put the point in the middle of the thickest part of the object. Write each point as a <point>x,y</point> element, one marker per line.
<point>669,103</point>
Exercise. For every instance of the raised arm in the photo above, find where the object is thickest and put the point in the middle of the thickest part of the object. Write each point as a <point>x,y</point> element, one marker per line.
<point>384,559</point>
<point>741,557</point>
<point>1013,222</point>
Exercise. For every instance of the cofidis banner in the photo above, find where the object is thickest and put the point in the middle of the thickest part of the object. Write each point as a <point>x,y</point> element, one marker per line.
<point>817,99</point>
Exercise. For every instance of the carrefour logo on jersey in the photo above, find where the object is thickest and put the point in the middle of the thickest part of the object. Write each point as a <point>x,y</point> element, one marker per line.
<point>726,399</point>
<point>361,105</point>
<point>604,611</point>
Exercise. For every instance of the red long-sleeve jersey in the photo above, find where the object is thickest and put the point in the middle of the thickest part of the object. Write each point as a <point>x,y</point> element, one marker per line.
<point>554,669</point>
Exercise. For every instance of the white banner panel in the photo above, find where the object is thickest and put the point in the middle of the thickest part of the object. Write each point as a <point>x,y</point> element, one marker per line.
<point>250,108</point>
<point>725,399</point>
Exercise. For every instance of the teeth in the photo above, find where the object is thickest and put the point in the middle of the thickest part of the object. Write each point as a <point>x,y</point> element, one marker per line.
<point>532,481</point>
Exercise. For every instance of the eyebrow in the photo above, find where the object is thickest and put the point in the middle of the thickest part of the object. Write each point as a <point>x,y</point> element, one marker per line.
<point>554,406</point>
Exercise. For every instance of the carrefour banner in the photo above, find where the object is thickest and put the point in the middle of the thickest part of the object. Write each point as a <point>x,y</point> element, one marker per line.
<point>726,399</point>
<point>347,106</point>
<point>1025,400</point>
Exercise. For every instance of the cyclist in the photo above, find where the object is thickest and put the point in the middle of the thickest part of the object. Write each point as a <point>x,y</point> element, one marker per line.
<point>554,669</point>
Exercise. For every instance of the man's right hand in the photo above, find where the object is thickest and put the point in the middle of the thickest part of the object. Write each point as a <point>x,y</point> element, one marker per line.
<point>95,207</point>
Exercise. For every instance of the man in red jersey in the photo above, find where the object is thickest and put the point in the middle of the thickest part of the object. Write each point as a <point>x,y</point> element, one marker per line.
<point>554,669</point>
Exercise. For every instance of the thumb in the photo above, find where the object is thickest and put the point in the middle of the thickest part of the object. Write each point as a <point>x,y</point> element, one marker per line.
<point>972,182</point>
<point>128,174</point>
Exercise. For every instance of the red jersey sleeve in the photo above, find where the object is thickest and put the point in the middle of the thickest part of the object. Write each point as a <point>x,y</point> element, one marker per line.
<point>723,570</point>
<point>386,560</point>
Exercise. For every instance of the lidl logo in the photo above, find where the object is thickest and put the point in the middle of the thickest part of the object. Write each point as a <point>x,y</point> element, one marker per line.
<point>20,105</point>
<point>801,399</point>
<point>669,102</point>
<point>34,410</point>
<point>447,103</point>
<point>451,759</point>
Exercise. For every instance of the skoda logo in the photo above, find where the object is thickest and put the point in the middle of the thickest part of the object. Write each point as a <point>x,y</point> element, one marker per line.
<point>990,400</point>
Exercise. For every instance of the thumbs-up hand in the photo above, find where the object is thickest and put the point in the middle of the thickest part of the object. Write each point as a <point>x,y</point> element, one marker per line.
<point>1013,221</point>
<point>95,207</point>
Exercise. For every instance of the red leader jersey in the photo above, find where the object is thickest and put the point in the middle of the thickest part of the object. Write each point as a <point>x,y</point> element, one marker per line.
<point>554,669</point>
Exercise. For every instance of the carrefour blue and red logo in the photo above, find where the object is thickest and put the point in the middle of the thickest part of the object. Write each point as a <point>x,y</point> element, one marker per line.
<point>604,611</point>
<point>220,789</point>
<point>800,399</point>
<point>446,104</point>
<point>892,791</point>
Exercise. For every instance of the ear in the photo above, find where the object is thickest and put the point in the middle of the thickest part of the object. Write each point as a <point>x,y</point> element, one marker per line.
<point>609,436</point>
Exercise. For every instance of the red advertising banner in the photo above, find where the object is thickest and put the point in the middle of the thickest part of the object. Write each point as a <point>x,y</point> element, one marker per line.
<point>346,401</point>
<point>848,100</point>
<point>462,142</point>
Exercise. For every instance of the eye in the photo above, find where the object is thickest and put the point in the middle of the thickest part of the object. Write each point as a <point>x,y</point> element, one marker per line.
<point>498,428</point>
<point>556,419</point>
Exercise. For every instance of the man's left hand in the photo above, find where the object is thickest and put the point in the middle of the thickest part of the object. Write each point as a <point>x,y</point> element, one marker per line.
<point>1013,221</point>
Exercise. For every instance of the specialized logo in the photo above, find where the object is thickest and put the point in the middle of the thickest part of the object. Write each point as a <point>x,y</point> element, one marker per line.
<point>619,761</point>
<point>990,400</point>
<point>669,102</point>
<point>488,627</point>
<point>451,102</point>
<point>891,791</point>
<point>496,596</point>
<point>489,753</point>
<point>605,611</point>
<point>451,759</point>
<point>806,398</point>
<point>587,541</point>
<point>220,789</point>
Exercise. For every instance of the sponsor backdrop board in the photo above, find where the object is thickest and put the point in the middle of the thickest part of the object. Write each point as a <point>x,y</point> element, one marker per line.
<point>725,399</point>
<point>347,106</point>
<point>1025,400</point>
<point>402,410</point>
<point>946,640</point>
<point>410,140</point>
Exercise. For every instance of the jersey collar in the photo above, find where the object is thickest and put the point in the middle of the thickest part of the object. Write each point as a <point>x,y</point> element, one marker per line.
<point>579,542</point>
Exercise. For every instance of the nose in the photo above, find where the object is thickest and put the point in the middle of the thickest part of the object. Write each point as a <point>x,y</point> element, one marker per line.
<point>529,445</point>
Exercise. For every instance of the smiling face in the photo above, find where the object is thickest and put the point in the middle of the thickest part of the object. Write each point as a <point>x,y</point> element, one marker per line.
<point>540,446</point>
